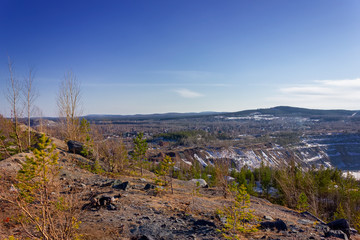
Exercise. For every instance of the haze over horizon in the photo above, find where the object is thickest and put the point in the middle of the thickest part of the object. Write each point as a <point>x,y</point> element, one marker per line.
<point>143,57</point>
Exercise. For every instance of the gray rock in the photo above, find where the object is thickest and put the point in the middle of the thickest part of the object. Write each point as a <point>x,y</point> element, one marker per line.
<point>322,227</point>
<point>149,186</point>
<point>353,231</point>
<point>75,147</point>
<point>305,222</point>
<point>121,186</point>
<point>269,218</point>
<point>311,216</point>
<point>200,182</point>
<point>337,234</point>
<point>278,225</point>
<point>111,207</point>
<point>340,224</point>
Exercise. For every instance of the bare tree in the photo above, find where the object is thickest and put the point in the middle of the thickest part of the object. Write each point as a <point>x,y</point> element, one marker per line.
<point>68,102</point>
<point>5,132</point>
<point>14,99</point>
<point>39,114</point>
<point>114,154</point>
<point>30,96</point>
<point>222,171</point>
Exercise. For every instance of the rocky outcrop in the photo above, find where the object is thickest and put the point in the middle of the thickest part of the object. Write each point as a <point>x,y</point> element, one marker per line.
<point>101,201</point>
<point>149,186</point>
<point>199,182</point>
<point>337,234</point>
<point>120,185</point>
<point>340,224</point>
<point>279,225</point>
<point>75,147</point>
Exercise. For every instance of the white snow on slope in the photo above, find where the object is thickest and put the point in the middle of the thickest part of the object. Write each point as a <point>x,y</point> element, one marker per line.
<point>317,157</point>
<point>201,161</point>
<point>334,155</point>
<point>355,174</point>
<point>187,162</point>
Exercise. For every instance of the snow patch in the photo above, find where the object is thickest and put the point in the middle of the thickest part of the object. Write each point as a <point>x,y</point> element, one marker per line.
<point>201,161</point>
<point>328,164</point>
<point>187,162</point>
<point>355,174</point>
<point>334,155</point>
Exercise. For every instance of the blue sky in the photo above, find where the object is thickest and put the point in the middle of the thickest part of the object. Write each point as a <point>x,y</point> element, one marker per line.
<point>141,56</point>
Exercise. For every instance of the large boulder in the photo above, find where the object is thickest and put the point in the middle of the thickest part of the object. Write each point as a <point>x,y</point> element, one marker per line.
<point>75,147</point>
<point>279,225</point>
<point>149,186</point>
<point>199,182</point>
<point>101,201</point>
<point>120,185</point>
<point>340,224</point>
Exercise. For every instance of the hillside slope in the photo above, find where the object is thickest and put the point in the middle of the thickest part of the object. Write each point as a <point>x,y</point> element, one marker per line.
<point>144,214</point>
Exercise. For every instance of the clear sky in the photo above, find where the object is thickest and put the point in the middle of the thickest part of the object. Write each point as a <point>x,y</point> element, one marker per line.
<point>142,56</point>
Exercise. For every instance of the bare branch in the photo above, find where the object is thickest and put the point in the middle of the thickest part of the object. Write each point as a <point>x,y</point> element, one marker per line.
<point>68,101</point>
<point>30,94</point>
<point>14,98</point>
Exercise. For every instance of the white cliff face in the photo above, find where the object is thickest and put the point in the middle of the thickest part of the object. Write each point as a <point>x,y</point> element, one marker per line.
<point>341,151</point>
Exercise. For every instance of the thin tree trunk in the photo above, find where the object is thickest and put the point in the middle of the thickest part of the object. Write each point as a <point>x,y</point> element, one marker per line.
<point>13,98</point>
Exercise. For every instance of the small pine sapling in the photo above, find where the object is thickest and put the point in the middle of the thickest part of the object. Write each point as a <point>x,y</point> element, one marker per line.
<point>36,174</point>
<point>340,212</point>
<point>239,218</point>
<point>96,168</point>
<point>4,153</point>
<point>165,169</point>
<point>139,152</point>
<point>44,213</point>
<point>356,221</point>
<point>195,192</point>
<point>86,138</point>
<point>302,203</point>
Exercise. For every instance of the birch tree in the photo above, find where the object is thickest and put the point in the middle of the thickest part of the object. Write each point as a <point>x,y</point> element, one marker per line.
<point>14,99</point>
<point>68,101</point>
<point>30,96</point>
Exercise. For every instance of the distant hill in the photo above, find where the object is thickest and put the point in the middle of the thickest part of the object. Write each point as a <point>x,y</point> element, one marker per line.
<point>280,111</point>
<point>156,116</point>
<point>286,111</point>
